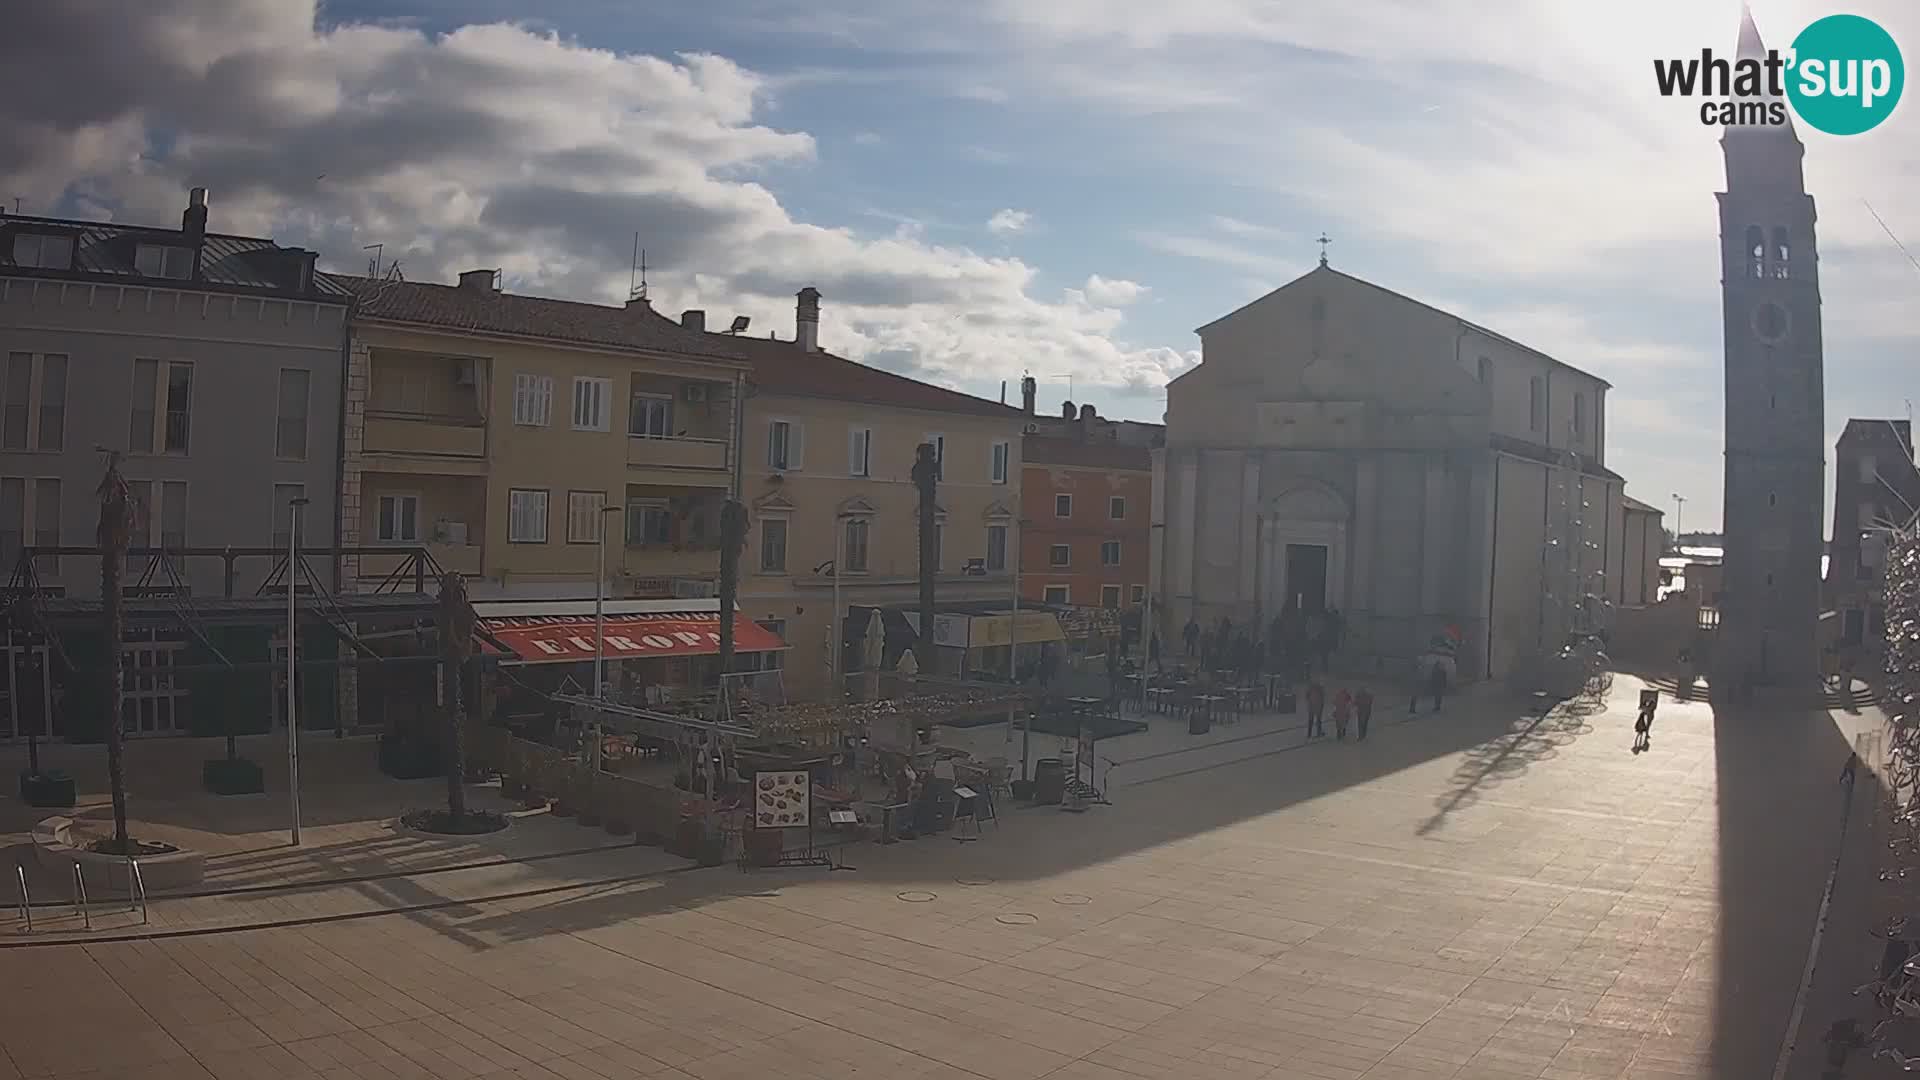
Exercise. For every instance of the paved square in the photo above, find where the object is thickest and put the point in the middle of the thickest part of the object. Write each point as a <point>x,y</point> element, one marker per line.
<point>1478,894</point>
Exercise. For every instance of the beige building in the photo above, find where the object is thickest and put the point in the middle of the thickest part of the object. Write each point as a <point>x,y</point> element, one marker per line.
<point>1642,539</point>
<point>828,447</point>
<point>1342,446</point>
<point>502,433</point>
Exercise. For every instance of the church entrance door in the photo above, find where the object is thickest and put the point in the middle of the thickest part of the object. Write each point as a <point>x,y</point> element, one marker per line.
<point>1307,576</point>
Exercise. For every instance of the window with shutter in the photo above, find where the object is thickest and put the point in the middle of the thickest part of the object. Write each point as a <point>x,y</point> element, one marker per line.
<point>859,452</point>
<point>590,397</point>
<point>583,516</point>
<point>532,399</point>
<point>1002,458</point>
<point>526,516</point>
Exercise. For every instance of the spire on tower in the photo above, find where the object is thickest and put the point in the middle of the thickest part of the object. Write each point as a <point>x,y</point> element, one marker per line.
<point>1751,47</point>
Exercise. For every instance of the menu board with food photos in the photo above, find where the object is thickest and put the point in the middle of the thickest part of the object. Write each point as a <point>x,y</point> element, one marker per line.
<point>782,800</point>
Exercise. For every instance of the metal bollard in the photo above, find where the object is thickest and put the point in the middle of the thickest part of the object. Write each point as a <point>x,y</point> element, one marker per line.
<point>136,888</point>
<point>80,897</point>
<point>26,902</point>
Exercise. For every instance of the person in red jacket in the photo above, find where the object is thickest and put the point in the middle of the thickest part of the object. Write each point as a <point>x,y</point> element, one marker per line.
<point>1316,709</point>
<point>1342,709</point>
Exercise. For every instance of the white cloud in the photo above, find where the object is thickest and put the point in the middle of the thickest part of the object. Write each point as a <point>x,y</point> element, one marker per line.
<point>356,134</point>
<point>1113,292</point>
<point>1008,222</point>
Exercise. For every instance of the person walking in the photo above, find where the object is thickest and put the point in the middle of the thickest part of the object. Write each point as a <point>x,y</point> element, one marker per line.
<point>1316,707</point>
<point>1437,683</point>
<point>1191,635</point>
<point>1363,712</point>
<point>1153,650</point>
<point>1413,696</point>
<point>1342,711</point>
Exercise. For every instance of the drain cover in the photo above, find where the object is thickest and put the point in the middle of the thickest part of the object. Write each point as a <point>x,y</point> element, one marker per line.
<point>1072,898</point>
<point>916,896</point>
<point>974,880</point>
<point>1017,918</point>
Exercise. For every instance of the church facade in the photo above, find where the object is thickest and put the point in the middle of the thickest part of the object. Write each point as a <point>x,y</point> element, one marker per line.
<point>1341,446</point>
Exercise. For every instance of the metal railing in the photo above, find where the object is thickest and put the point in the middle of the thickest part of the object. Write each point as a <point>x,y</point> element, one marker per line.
<point>80,906</point>
<point>26,901</point>
<point>136,889</point>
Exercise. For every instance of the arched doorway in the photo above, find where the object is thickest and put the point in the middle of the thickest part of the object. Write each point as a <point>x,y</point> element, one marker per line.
<point>1303,549</point>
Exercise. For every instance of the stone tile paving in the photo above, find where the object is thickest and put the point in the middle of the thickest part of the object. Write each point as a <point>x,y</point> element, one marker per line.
<point>1475,895</point>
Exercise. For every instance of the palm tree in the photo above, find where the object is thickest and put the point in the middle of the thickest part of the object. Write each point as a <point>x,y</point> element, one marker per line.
<point>926,476</point>
<point>456,625</point>
<point>733,538</point>
<point>114,534</point>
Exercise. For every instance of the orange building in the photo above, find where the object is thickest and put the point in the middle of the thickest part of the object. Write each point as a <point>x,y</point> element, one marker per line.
<point>1085,504</point>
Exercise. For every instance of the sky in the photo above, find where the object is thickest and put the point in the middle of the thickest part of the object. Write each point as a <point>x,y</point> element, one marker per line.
<point>990,188</point>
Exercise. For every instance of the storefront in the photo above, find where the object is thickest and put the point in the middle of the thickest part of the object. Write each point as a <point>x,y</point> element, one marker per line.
<point>974,643</point>
<point>655,651</point>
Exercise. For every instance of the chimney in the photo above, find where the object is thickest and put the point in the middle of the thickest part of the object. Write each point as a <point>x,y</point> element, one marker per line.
<point>694,319</point>
<point>194,222</point>
<point>806,320</point>
<point>300,268</point>
<point>1066,410</point>
<point>1087,412</point>
<point>1029,389</point>
<point>478,280</point>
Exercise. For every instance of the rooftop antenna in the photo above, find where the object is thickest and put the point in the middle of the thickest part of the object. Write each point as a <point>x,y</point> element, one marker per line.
<point>373,264</point>
<point>637,274</point>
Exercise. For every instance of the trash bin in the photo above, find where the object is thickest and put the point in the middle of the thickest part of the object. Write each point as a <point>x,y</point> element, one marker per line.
<point>1049,781</point>
<point>1285,704</point>
<point>1199,721</point>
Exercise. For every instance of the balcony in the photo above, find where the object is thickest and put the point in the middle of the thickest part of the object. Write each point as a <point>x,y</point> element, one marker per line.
<point>662,561</point>
<point>680,460</point>
<point>431,441</point>
<point>460,558</point>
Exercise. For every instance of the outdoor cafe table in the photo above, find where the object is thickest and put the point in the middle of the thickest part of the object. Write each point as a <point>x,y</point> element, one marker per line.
<point>1275,682</point>
<point>1157,697</point>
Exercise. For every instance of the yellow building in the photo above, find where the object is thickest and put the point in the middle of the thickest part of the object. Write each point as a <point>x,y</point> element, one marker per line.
<point>827,453</point>
<point>503,432</point>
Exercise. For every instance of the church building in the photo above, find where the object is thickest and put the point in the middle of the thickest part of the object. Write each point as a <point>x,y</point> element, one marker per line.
<point>1344,447</point>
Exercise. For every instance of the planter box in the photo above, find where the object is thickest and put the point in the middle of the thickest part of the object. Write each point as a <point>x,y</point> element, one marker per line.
<point>409,759</point>
<point>232,776</point>
<point>46,789</point>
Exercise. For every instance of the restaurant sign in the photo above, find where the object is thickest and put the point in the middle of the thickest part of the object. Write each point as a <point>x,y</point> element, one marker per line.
<point>540,639</point>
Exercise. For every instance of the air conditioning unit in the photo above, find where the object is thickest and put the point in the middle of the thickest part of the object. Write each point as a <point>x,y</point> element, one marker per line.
<point>694,393</point>
<point>466,372</point>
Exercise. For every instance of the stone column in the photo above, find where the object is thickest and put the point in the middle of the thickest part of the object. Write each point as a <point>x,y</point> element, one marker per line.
<point>1182,525</point>
<point>1249,533</point>
<point>1360,550</point>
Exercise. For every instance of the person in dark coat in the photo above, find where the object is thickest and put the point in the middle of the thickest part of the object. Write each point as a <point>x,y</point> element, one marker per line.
<point>1363,711</point>
<point>1316,709</point>
<point>1153,650</point>
<point>1191,635</point>
<point>1437,683</point>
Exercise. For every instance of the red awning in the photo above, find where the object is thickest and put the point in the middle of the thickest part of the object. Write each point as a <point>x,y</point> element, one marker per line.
<point>552,639</point>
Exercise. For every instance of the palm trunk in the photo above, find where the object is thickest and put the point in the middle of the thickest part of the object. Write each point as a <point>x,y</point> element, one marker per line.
<point>456,626</point>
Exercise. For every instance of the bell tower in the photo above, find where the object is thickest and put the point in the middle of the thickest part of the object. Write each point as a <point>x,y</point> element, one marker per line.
<point>1775,408</point>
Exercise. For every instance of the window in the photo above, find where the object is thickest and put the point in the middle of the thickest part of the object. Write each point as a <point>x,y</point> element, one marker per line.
<point>1756,252</point>
<point>13,518</point>
<point>1057,594</point>
<point>1063,506</point>
<point>43,250</point>
<point>526,516</point>
<point>146,398</point>
<point>16,403</point>
<point>532,400</point>
<point>1485,372</point>
<point>1110,553</point>
<point>1117,507</point>
<point>1002,461</point>
<point>1868,513</point>
<point>1579,416</point>
<point>1537,403</point>
<point>46,512</point>
<point>53,402</point>
<point>163,261</point>
<point>773,546</point>
<point>650,416</point>
<point>1868,471</point>
<point>1109,596</point>
<point>583,516</point>
<point>860,452</point>
<point>1059,555</point>
<point>996,547</point>
<point>173,513</point>
<point>649,523</point>
<point>399,519</point>
<point>590,403</point>
<point>1139,594</point>
<point>939,442</point>
<point>785,444</point>
<point>179,407</point>
<point>777,659</point>
<point>283,496</point>
<point>290,437</point>
<point>856,546</point>
<point>1782,253</point>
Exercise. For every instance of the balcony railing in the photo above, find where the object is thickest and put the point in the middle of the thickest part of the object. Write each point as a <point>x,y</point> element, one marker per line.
<point>389,432</point>
<point>650,451</point>
<point>463,558</point>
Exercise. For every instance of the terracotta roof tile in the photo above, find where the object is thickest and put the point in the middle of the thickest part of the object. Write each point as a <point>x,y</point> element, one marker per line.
<point>782,368</point>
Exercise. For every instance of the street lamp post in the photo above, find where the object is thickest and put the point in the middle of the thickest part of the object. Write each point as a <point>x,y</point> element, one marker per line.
<point>293,718</point>
<point>599,626</point>
<point>1679,506</point>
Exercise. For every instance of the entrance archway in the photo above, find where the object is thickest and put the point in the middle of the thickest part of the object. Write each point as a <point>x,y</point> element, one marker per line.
<point>1303,549</point>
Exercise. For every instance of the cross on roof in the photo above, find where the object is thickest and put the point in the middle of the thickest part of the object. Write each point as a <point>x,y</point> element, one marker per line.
<point>1323,242</point>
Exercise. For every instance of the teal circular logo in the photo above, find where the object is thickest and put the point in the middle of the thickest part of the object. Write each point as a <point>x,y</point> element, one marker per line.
<point>1846,75</point>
